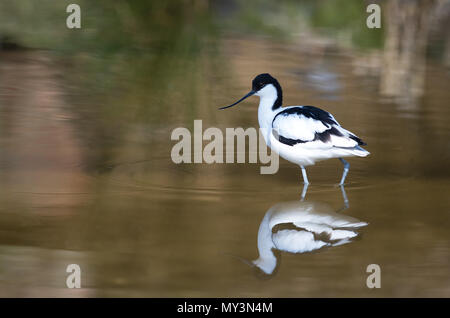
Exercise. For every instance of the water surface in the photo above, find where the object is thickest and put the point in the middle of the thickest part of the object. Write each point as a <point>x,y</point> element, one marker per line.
<point>87,178</point>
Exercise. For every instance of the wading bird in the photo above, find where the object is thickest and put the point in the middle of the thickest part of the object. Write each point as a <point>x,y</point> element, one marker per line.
<point>301,134</point>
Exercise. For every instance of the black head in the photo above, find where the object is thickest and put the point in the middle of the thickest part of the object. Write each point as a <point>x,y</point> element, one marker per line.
<point>258,83</point>
<point>262,80</point>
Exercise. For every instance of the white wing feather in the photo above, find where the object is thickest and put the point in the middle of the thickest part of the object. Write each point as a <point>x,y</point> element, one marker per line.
<point>298,127</point>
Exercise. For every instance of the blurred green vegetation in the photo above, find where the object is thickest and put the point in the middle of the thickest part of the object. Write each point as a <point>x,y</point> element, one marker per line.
<point>115,36</point>
<point>124,43</point>
<point>348,16</point>
<point>177,25</point>
<point>284,19</point>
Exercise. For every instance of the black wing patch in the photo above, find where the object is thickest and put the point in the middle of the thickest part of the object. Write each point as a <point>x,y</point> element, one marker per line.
<point>309,112</point>
<point>317,114</point>
<point>358,140</point>
<point>323,137</point>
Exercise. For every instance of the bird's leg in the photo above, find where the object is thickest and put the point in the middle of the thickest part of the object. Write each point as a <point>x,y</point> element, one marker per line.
<point>344,196</point>
<point>346,168</point>
<point>305,183</point>
<point>305,177</point>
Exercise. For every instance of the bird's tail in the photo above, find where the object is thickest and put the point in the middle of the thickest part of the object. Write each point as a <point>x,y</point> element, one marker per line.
<point>353,151</point>
<point>360,152</point>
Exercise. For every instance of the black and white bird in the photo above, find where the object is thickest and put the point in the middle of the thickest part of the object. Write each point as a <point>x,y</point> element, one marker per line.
<point>301,134</point>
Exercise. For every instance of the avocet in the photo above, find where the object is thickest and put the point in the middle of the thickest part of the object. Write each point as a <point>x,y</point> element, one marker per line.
<point>302,135</point>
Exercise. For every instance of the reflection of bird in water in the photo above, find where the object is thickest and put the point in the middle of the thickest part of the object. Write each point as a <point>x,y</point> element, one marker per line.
<point>301,134</point>
<point>300,227</point>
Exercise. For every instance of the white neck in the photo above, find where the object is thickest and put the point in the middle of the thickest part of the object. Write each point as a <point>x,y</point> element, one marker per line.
<point>268,96</point>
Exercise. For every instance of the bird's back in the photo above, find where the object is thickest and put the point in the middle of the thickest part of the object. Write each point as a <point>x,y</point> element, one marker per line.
<point>308,124</point>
